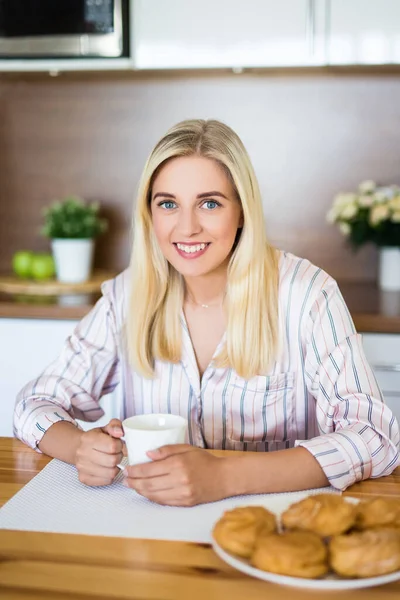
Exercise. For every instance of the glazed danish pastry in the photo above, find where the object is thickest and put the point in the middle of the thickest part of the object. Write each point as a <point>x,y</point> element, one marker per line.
<point>238,529</point>
<point>365,554</point>
<point>294,553</point>
<point>324,514</point>
<point>378,512</point>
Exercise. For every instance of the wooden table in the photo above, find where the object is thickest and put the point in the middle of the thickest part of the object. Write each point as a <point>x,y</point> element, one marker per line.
<point>76,567</point>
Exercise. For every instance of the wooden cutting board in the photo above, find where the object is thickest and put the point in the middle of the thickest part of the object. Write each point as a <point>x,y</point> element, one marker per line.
<point>11,284</point>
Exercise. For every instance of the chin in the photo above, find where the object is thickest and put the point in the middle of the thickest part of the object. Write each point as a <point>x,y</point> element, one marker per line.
<point>192,270</point>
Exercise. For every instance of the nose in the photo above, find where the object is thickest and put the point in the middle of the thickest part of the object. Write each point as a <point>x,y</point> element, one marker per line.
<point>188,223</point>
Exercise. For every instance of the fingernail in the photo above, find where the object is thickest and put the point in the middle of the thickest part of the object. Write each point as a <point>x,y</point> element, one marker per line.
<point>125,483</point>
<point>156,451</point>
<point>117,430</point>
<point>124,473</point>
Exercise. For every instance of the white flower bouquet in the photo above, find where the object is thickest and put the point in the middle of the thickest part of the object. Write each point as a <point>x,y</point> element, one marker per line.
<point>371,214</point>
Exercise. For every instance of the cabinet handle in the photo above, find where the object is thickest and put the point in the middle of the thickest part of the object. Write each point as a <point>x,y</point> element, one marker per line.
<point>387,368</point>
<point>310,25</point>
<point>327,36</point>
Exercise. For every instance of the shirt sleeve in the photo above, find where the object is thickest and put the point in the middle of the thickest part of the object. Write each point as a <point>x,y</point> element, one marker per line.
<point>70,388</point>
<point>359,435</point>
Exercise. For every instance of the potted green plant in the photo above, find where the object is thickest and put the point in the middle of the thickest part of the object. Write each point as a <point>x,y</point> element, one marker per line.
<point>372,214</point>
<point>72,225</point>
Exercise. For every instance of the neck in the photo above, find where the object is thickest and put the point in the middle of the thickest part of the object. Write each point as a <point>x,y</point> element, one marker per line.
<point>206,289</point>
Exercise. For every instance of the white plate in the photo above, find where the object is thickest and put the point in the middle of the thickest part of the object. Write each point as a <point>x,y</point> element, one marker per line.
<point>330,582</point>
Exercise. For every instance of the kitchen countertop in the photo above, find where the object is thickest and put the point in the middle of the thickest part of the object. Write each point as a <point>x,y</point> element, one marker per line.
<point>372,309</point>
<point>46,307</point>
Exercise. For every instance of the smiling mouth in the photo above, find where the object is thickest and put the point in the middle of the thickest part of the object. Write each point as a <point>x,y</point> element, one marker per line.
<point>191,248</point>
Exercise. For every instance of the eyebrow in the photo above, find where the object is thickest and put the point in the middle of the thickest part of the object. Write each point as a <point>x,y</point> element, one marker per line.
<point>199,196</point>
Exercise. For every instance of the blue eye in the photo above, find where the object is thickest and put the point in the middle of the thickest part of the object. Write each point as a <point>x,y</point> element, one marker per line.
<point>211,204</point>
<point>167,204</point>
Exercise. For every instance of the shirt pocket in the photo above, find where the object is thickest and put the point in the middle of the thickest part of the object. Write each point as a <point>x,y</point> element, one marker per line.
<point>261,409</point>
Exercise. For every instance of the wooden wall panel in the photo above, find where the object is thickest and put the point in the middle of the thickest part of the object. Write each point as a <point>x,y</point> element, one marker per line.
<point>309,136</point>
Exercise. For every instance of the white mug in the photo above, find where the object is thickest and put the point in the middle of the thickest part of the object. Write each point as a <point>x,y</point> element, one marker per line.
<point>143,433</point>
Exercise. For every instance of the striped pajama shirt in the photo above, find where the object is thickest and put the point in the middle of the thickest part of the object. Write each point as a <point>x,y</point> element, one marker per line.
<point>320,392</point>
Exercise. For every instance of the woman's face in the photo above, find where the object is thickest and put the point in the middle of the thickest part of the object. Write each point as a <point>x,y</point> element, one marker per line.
<point>195,214</point>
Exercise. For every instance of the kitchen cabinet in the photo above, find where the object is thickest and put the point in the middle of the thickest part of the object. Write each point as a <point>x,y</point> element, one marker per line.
<point>27,346</point>
<point>235,34</point>
<point>363,32</point>
<point>228,33</point>
<point>383,353</point>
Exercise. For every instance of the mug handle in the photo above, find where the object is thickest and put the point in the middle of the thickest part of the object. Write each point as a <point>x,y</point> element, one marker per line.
<point>120,465</point>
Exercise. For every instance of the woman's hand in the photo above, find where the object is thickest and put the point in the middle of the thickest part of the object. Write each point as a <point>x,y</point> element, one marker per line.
<point>180,475</point>
<point>98,454</point>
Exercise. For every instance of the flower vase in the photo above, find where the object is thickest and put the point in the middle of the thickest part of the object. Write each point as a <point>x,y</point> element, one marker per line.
<point>73,259</point>
<point>389,268</point>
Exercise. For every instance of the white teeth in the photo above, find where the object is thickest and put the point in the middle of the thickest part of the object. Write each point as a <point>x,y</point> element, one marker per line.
<point>191,249</point>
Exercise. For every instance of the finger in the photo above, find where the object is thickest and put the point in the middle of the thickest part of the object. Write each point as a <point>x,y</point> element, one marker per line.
<point>94,481</point>
<point>105,460</point>
<point>87,457</point>
<point>170,450</point>
<point>114,428</point>
<point>172,497</point>
<point>148,486</point>
<point>107,444</point>
<point>149,470</point>
<point>98,471</point>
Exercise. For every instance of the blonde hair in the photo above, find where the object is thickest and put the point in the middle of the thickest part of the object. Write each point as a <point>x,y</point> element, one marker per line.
<point>154,329</point>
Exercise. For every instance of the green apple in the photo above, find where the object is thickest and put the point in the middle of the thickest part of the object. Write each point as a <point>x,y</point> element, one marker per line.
<point>42,267</point>
<point>22,263</point>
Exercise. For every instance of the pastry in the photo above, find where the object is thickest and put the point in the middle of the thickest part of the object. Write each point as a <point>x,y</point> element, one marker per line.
<point>238,529</point>
<point>378,512</point>
<point>324,514</point>
<point>294,553</point>
<point>365,554</point>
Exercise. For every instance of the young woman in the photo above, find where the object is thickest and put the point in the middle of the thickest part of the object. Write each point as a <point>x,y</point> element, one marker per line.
<point>255,347</point>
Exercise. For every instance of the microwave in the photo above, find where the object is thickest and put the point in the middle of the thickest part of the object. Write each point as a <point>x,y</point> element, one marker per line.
<point>64,29</point>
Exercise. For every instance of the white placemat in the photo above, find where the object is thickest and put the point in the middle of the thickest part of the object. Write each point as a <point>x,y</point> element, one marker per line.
<point>56,501</point>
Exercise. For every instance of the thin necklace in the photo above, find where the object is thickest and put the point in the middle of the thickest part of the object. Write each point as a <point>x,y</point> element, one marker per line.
<point>204,305</point>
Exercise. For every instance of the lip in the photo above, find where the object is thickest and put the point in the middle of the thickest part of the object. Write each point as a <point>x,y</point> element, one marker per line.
<point>193,254</point>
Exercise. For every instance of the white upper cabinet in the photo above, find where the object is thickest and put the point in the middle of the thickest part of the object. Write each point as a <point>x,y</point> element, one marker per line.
<point>228,33</point>
<point>363,32</point>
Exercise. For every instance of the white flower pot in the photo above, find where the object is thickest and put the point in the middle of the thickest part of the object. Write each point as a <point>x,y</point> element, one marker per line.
<point>389,268</point>
<point>73,259</point>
